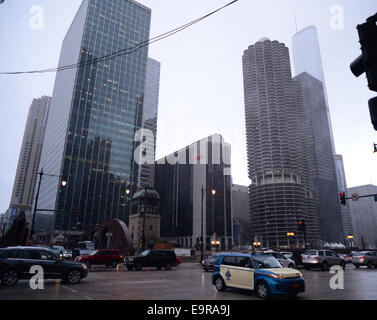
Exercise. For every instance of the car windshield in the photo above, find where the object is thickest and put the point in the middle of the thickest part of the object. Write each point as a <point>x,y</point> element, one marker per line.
<point>144,253</point>
<point>266,262</point>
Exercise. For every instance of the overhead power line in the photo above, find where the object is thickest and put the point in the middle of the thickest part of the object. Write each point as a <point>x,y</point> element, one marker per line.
<point>125,51</point>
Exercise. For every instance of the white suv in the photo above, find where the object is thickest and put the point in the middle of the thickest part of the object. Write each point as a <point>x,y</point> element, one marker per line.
<point>321,259</point>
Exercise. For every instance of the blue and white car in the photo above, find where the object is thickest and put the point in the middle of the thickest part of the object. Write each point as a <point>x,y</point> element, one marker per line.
<point>261,273</point>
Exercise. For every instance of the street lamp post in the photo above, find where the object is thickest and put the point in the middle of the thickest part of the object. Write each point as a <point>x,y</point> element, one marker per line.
<point>213,193</point>
<point>350,238</point>
<point>289,234</point>
<point>41,174</point>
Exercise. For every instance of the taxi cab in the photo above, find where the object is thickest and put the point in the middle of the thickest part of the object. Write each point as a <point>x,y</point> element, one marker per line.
<point>261,273</point>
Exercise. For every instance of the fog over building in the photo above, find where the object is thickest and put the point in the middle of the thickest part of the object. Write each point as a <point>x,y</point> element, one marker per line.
<point>307,58</point>
<point>95,111</point>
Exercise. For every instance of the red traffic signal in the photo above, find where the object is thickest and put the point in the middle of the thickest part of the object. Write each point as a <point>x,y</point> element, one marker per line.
<point>301,225</point>
<point>342,198</point>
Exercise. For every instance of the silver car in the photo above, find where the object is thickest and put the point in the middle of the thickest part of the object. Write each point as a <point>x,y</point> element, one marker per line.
<point>283,260</point>
<point>365,258</point>
<point>321,259</point>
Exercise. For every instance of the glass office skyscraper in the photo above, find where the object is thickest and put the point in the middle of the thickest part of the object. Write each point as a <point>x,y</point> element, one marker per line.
<point>307,58</point>
<point>203,164</point>
<point>321,168</point>
<point>150,115</point>
<point>95,111</point>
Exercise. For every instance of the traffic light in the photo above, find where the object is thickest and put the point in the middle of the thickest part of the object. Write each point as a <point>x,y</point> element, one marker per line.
<point>367,61</point>
<point>342,198</point>
<point>301,225</point>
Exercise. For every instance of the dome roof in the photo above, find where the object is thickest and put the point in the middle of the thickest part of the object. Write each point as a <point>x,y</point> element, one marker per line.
<point>152,194</point>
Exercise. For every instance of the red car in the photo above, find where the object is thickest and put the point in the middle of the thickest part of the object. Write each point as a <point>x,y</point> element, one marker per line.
<point>107,257</point>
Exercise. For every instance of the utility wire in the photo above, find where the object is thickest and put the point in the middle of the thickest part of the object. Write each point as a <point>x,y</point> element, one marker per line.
<point>125,51</point>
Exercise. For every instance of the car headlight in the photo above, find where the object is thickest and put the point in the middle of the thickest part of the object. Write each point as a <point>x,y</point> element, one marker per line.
<point>84,266</point>
<point>276,276</point>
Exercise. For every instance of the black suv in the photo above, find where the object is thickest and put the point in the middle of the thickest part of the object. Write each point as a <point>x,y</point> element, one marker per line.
<point>15,264</point>
<point>152,258</point>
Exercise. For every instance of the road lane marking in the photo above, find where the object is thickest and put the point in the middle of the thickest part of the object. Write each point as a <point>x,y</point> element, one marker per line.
<point>72,290</point>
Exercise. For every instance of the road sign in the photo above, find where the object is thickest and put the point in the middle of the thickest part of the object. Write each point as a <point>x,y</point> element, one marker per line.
<point>355,197</point>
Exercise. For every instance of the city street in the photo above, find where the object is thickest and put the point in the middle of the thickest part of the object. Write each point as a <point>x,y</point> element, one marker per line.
<point>185,282</point>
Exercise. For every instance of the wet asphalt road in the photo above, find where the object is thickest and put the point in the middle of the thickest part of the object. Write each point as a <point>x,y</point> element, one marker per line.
<point>185,282</point>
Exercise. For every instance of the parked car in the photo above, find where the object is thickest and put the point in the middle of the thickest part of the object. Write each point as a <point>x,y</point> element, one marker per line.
<point>321,259</point>
<point>288,255</point>
<point>283,260</point>
<point>261,273</point>
<point>15,264</point>
<point>346,257</point>
<point>67,255</point>
<point>107,257</point>
<point>365,258</point>
<point>152,258</point>
<point>209,263</point>
<point>58,250</point>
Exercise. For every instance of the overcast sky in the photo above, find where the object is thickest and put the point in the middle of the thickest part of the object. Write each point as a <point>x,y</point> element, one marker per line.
<point>201,74</point>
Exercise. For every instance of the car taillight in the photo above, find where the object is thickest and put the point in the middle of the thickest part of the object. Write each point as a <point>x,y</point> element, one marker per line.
<point>362,258</point>
<point>121,257</point>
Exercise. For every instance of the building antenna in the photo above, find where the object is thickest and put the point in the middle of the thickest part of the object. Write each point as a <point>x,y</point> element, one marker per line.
<point>296,22</point>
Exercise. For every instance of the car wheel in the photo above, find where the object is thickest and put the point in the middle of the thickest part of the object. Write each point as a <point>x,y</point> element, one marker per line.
<point>130,268</point>
<point>291,265</point>
<point>343,265</point>
<point>219,284</point>
<point>138,267</point>
<point>357,266</point>
<point>168,266</point>
<point>370,265</point>
<point>307,268</point>
<point>262,290</point>
<point>114,264</point>
<point>206,269</point>
<point>159,268</point>
<point>325,266</point>
<point>73,276</point>
<point>9,278</point>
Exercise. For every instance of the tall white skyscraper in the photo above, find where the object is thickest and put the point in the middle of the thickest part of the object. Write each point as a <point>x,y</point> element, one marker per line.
<point>307,58</point>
